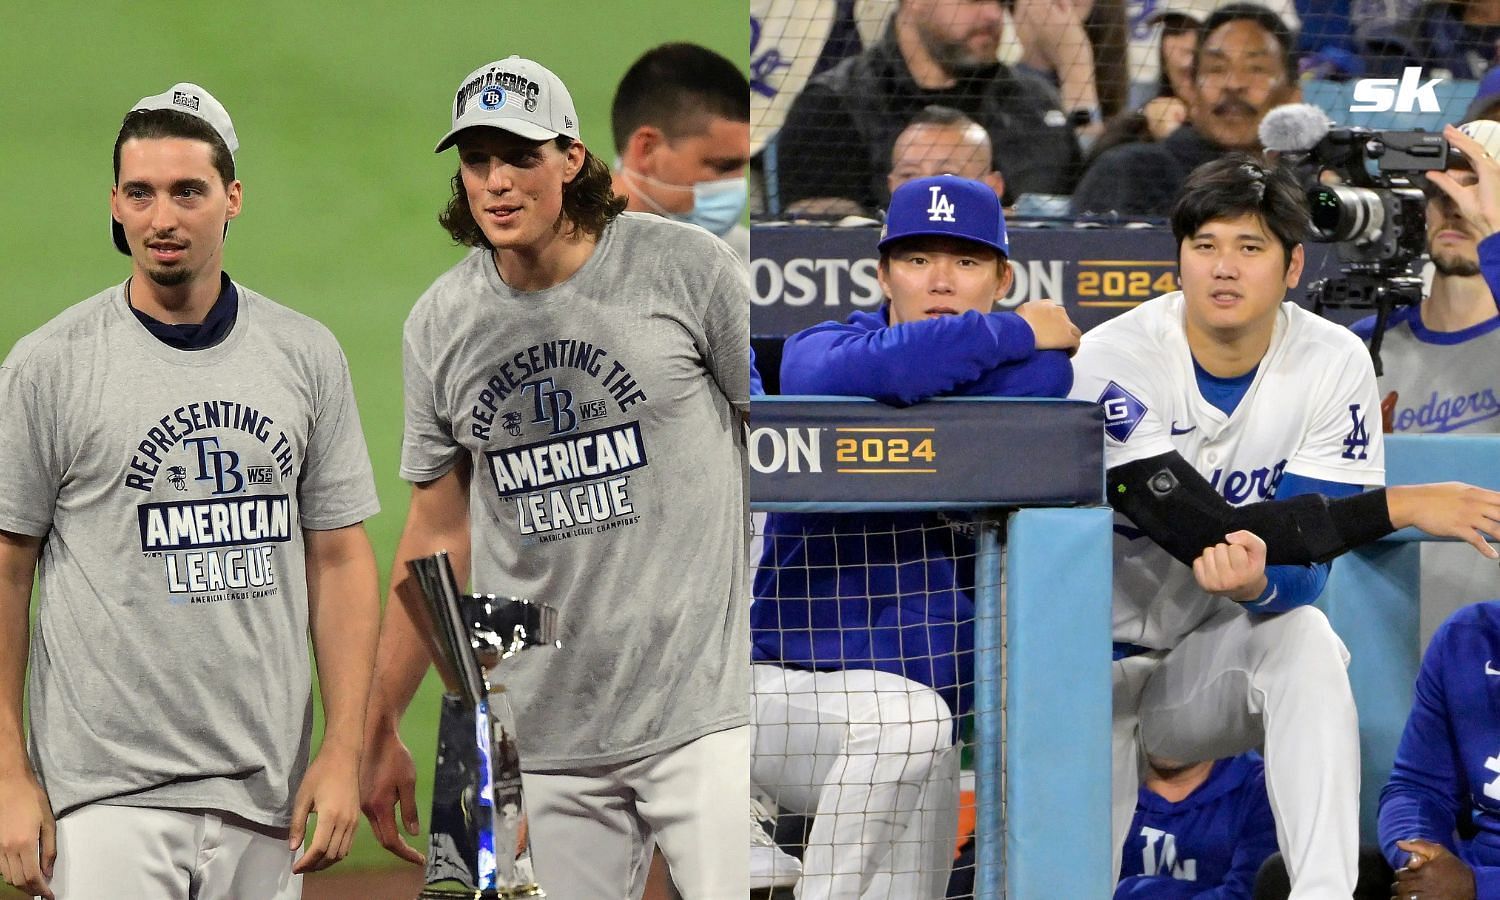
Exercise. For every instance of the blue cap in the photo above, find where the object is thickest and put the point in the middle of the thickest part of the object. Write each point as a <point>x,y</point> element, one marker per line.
<point>946,206</point>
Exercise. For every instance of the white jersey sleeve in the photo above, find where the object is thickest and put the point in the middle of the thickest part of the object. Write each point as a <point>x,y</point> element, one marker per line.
<point>1135,395</point>
<point>1342,439</point>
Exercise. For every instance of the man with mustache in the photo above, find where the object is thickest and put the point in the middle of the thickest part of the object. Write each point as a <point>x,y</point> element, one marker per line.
<point>835,147</point>
<point>1243,68</point>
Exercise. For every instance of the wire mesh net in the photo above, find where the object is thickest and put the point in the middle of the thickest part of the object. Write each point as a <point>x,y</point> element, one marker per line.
<point>864,632</point>
<point>851,97</point>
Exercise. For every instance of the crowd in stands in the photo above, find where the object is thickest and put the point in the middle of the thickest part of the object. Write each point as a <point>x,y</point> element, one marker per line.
<point>1107,104</point>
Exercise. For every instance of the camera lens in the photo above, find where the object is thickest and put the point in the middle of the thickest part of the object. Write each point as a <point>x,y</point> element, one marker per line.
<point>1343,213</point>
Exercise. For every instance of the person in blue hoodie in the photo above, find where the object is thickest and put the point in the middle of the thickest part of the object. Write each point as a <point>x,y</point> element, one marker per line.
<point>1201,831</point>
<point>862,625</point>
<point>1440,812</point>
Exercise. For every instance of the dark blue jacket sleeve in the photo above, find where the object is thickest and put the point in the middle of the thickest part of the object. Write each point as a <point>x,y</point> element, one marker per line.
<point>1423,797</point>
<point>1489,264</point>
<point>757,387</point>
<point>1254,843</point>
<point>902,364</point>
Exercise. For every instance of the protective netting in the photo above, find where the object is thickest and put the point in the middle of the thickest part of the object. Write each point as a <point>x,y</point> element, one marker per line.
<point>864,631</point>
<point>851,97</point>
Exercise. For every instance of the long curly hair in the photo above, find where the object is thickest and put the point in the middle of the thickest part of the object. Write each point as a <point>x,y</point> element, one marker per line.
<point>589,203</point>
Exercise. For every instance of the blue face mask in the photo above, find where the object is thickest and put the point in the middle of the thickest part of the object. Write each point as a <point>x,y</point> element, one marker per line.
<point>717,205</point>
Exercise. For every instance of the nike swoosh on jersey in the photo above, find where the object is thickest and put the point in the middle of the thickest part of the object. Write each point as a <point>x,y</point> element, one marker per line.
<point>1176,430</point>
<point>1490,670</point>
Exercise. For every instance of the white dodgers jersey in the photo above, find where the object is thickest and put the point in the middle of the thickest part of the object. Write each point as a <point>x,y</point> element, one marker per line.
<point>1312,409</point>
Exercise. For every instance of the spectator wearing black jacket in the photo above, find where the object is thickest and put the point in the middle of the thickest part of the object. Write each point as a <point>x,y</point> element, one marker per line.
<point>1243,68</point>
<point>834,149</point>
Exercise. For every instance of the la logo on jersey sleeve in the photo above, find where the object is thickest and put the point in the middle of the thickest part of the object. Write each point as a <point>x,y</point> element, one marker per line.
<point>1123,411</point>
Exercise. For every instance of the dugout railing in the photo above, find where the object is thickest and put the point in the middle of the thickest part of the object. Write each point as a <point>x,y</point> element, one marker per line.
<point>1034,469</point>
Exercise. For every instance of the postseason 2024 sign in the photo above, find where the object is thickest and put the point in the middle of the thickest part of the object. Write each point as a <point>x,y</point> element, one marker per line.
<point>802,275</point>
<point>845,455</point>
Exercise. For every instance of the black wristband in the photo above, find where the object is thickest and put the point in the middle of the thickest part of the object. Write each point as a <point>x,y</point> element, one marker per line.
<point>1361,518</point>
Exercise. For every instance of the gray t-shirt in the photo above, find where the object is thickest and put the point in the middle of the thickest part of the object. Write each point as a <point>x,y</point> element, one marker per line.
<point>599,415</point>
<point>169,663</point>
<point>1444,382</point>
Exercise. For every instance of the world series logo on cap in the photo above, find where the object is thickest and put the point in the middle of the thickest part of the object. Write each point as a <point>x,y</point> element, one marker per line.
<point>942,208</point>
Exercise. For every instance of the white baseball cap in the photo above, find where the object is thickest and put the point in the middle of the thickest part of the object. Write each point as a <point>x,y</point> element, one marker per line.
<point>515,95</point>
<point>184,97</point>
<point>1487,133</point>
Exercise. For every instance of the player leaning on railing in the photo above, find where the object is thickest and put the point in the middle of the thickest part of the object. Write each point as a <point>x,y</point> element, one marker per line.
<point>863,624</point>
<point>1231,416</point>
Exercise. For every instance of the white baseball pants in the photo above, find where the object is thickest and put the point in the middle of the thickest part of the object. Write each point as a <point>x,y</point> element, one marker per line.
<point>593,830</point>
<point>870,756</point>
<point>1238,682</point>
<point>137,853</point>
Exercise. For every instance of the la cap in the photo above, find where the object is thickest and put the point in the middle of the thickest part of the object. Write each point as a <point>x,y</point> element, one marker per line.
<point>946,206</point>
<point>515,95</point>
<point>184,97</point>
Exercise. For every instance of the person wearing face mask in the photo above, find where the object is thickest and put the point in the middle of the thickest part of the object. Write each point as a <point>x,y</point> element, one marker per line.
<point>681,120</point>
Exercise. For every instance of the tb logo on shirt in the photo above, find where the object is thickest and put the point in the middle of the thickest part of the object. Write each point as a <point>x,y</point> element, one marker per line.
<point>1160,856</point>
<point>553,405</point>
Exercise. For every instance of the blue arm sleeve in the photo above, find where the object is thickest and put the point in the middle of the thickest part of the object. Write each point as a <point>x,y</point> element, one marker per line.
<point>1489,264</point>
<point>757,387</point>
<point>902,364</point>
<point>1288,587</point>
<point>1422,798</point>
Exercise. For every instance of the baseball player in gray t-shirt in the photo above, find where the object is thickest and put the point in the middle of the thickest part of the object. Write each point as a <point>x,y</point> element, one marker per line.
<point>574,398</point>
<point>187,477</point>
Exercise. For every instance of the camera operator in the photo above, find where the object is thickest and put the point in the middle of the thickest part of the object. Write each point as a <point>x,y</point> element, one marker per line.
<point>1440,358</point>
<point>1440,375</point>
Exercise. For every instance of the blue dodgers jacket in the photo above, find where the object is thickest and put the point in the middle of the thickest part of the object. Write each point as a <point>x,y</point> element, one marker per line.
<point>889,591</point>
<point>1209,845</point>
<point>1445,783</point>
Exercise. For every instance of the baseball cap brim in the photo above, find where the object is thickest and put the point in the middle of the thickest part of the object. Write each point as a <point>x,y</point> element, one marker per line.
<point>519,127</point>
<point>939,232</point>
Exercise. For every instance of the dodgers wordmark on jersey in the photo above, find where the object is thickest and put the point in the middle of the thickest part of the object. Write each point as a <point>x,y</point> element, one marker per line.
<point>1311,410</point>
<point>169,663</point>
<point>608,479</point>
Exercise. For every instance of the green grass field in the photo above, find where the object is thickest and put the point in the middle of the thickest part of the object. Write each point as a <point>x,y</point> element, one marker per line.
<point>337,106</point>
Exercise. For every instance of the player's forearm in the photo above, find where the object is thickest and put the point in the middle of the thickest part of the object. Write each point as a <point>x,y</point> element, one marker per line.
<point>907,363</point>
<point>402,656</point>
<point>17,568</point>
<point>344,617</point>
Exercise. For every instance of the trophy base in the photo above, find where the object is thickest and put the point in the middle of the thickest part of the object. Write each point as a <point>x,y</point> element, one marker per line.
<point>442,893</point>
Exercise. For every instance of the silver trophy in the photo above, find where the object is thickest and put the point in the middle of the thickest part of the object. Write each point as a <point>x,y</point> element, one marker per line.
<point>478,846</point>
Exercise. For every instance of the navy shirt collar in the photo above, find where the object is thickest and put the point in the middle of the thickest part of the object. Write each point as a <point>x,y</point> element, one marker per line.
<point>214,328</point>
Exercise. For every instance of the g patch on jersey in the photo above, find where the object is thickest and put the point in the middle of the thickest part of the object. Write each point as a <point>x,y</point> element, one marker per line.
<point>1123,411</point>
